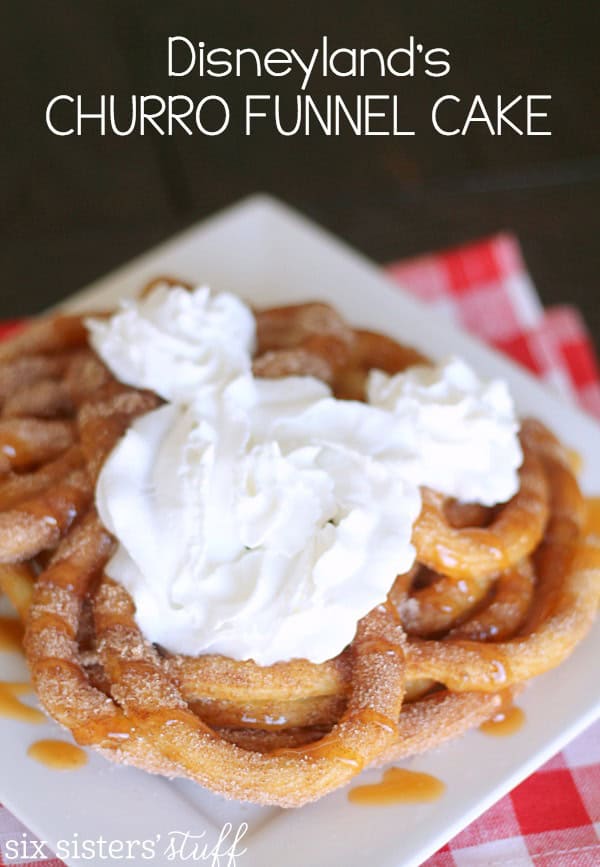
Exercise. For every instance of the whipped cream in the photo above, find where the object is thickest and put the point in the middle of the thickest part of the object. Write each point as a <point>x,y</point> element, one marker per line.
<point>261,519</point>
<point>177,343</point>
<point>461,431</point>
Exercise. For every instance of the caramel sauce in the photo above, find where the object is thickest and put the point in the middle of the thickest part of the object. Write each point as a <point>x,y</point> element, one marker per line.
<point>330,747</point>
<point>327,747</point>
<point>14,448</point>
<point>58,755</point>
<point>382,646</point>
<point>12,708</point>
<point>592,523</point>
<point>11,633</point>
<point>507,721</point>
<point>399,786</point>
<point>332,750</point>
<point>373,717</point>
<point>44,506</point>
<point>575,461</point>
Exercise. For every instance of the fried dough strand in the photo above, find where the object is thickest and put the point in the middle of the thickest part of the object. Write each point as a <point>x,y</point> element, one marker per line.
<point>50,334</point>
<point>563,608</point>
<point>512,534</point>
<point>28,442</point>
<point>25,371</point>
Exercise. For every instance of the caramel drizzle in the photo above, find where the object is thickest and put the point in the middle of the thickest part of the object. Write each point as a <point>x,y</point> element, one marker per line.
<point>14,447</point>
<point>507,721</point>
<point>327,747</point>
<point>575,461</point>
<point>330,747</point>
<point>399,786</point>
<point>12,708</point>
<point>592,523</point>
<point>58,755</point>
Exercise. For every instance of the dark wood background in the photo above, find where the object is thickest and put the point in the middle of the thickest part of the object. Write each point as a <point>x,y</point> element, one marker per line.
<point>75,207</point>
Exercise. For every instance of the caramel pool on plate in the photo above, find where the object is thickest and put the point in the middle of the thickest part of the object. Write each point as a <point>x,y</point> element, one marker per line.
<point>508,721</point>
<point>399,786</point>
<point>58,755</point>
<point>12,708</point>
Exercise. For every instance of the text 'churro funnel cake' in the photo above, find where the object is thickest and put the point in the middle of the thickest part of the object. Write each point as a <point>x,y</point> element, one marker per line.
<point>263,550</point>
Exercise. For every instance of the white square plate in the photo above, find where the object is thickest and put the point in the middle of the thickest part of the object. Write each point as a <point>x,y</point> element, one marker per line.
<point>270,255</point>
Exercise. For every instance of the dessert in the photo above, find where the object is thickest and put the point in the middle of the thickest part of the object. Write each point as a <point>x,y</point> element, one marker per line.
<point>265,550</point>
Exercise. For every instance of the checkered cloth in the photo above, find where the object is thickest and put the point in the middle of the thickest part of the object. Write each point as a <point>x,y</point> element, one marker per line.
<point>553,818</point>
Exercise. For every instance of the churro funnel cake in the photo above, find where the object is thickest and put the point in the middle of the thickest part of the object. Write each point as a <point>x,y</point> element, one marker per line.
<point>263,550</point>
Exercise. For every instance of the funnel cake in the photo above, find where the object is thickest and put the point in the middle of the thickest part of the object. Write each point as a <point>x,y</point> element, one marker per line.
<point>496,596</point>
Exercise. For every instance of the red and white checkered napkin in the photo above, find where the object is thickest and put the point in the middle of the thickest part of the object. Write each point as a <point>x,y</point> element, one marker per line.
<point>553,818</point>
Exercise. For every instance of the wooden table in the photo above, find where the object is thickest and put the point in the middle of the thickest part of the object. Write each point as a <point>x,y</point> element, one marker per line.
<point>76,207</point>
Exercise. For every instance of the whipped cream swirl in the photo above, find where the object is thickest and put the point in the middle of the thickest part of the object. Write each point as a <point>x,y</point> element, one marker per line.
<point>261,519</point>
